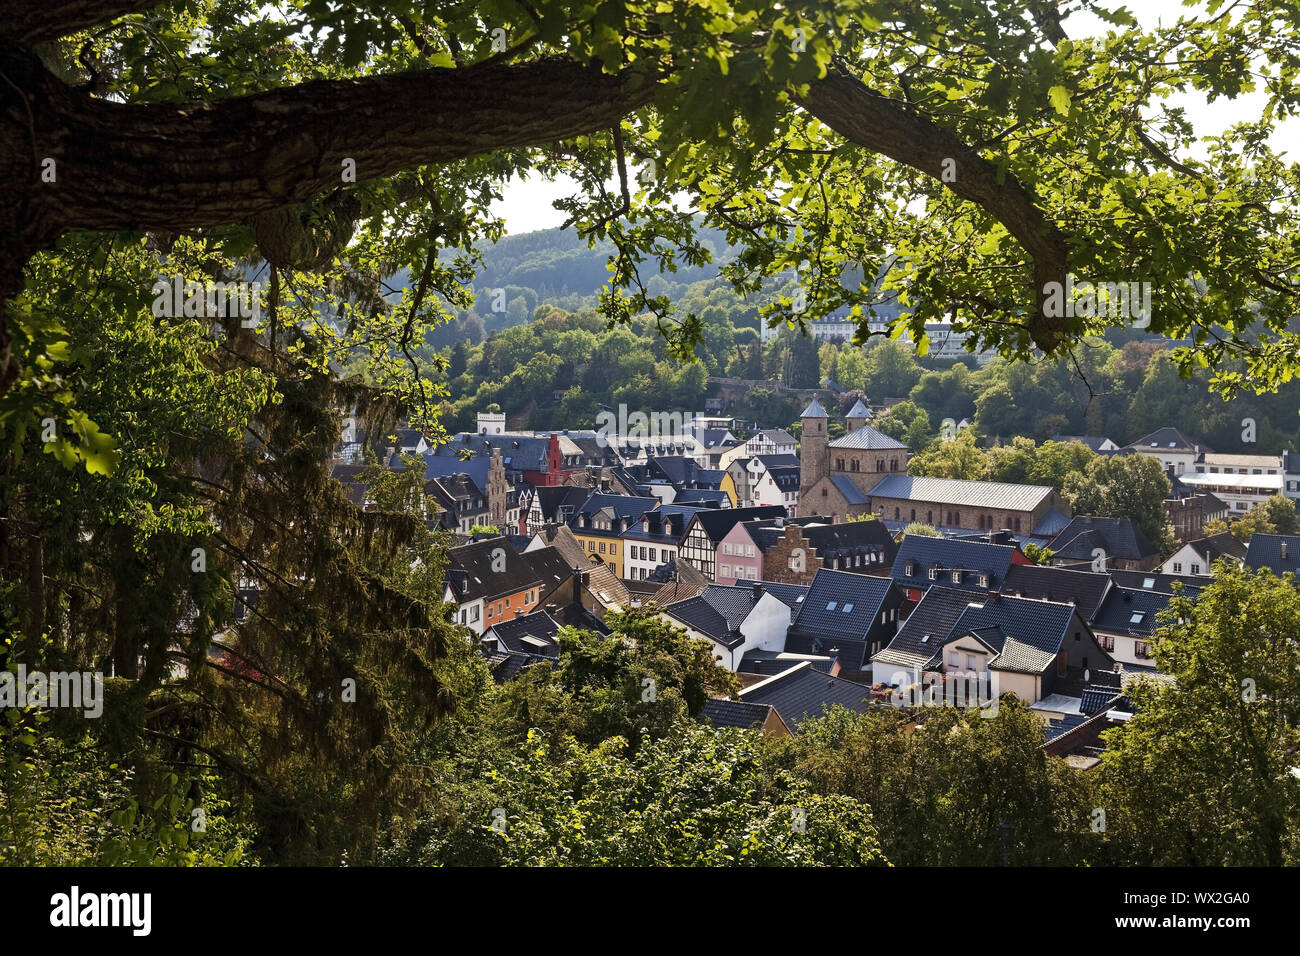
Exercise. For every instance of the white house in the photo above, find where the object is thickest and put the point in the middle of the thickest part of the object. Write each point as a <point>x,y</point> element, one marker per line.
<point>1197,557</point>
<point>734,620</point>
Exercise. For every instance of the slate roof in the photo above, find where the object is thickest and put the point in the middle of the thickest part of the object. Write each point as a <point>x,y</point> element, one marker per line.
<point>721,712</point>
<point>802,693</point>
<point>679,583</point>
<point>551,566</point>
<point>859,410</point>
<point>715,437</point>
<point>518,452</point>
<point>770,663</point>
<point>716,522</point>
<point>441,466</point>
<point>550,498</point>
<point>1095,699</point>
<point>1039,625</point>
<point>791,595</point>
<point>777,436</point>
<point>1021,658</point>
<point>702,496</point>
<point>718,611</point>
<point>623,506</point>
<point>1265,551</point>
<point>531,634</point>
<point>1086,588</point>
<point>868,438</point>
<point>841,604</point>
<point>470,570</point>
<point>1117,612</point>
<point>999,495</point>
<point>1167,438</point>
<point>814,410</point>
<point>947,555</point>
<point>926,629</point>
<point>1118,537</point>
<point>851,492</point>
<point>1154,581</point>
<point>851,537</point>
<point>1221,545</point>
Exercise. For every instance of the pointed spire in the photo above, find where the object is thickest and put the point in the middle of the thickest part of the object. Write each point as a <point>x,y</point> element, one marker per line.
<point>859,410</point>
<point>814,410</point>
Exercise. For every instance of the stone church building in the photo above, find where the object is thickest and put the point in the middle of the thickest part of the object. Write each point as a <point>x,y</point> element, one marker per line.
<point>836,476</point>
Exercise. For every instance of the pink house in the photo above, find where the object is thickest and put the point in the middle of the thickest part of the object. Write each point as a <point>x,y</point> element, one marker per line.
<point>739,558</point>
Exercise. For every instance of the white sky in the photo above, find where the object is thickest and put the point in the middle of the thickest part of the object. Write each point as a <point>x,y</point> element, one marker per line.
<point>526,206</point>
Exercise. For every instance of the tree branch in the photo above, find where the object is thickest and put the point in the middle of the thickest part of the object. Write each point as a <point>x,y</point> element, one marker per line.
<point>35,21</point>
<point>893,129</point>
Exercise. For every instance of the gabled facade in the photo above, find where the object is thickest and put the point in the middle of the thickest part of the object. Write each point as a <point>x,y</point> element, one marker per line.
<point>1197,557</point>
<point>707,528</point>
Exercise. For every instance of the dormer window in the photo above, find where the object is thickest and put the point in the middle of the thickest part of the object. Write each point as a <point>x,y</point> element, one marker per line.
<point>909,569</point>
<point>956,577</point>
<point>934,574</point>
<point>984,580</point>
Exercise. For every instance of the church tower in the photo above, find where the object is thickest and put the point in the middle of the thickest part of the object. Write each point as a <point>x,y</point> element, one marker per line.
<point>813,457</point>
<point>858,416</point>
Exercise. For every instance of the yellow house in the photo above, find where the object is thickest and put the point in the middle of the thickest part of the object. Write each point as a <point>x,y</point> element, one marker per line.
<point>605,545</point>
<point>728,485</point>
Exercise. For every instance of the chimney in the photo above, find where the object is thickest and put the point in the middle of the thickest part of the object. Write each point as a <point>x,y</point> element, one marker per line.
<point>1283,553</point>
<point>758,590</point>
<point>577,585</point>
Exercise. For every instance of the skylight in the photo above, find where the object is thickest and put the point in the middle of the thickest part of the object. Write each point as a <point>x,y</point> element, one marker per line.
<point>1148,582</point>
<point>830,605</point>
<point>848,608</point>
<point>1136,617</point>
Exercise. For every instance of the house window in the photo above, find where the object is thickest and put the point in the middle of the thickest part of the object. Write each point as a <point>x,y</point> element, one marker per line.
<point>489,607</point>
<point>602,547</point>
<point>1140,649</point>
<point>956,577</point>
<point>913,514</point>
<point>934,574</point>
<point>909,569</point>
<point>896,514</point>
<point>1178,567</point>
<point>971,663</point>
<point>613,548</point>
<point>929,517</point>
<point>954,659</point>
<point>591,545</point>
<point>726,570</point>
<point>1196,569</point>
<point>984,580</point>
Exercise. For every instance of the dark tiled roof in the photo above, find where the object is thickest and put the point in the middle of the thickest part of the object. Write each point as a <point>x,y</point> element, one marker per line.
<point>770,663</point>
<point>1042,625</point>
<point>1155,581</point>
<point>721,712</point>
<point>851,653</point>
<point>716,522</point>
<point>550,565</point>
<point>550,498</point>
<point>1118,537</point>
<point>802,693</point>
<point>1085,588</point>
<point>1091,441</point>
<point>840,604</point>
<point>1097,699</point>
<point>1265,551</point>
<point>791,595</point>
<point>479,578</point>
<point>927,627</point>
<point>948,555</point>
<point>1221,545</point>
<point>1130,611</point>
<point>531,634</point>
<point>701,496</point>
<point>1167,439</point>
<point>850,538</point>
